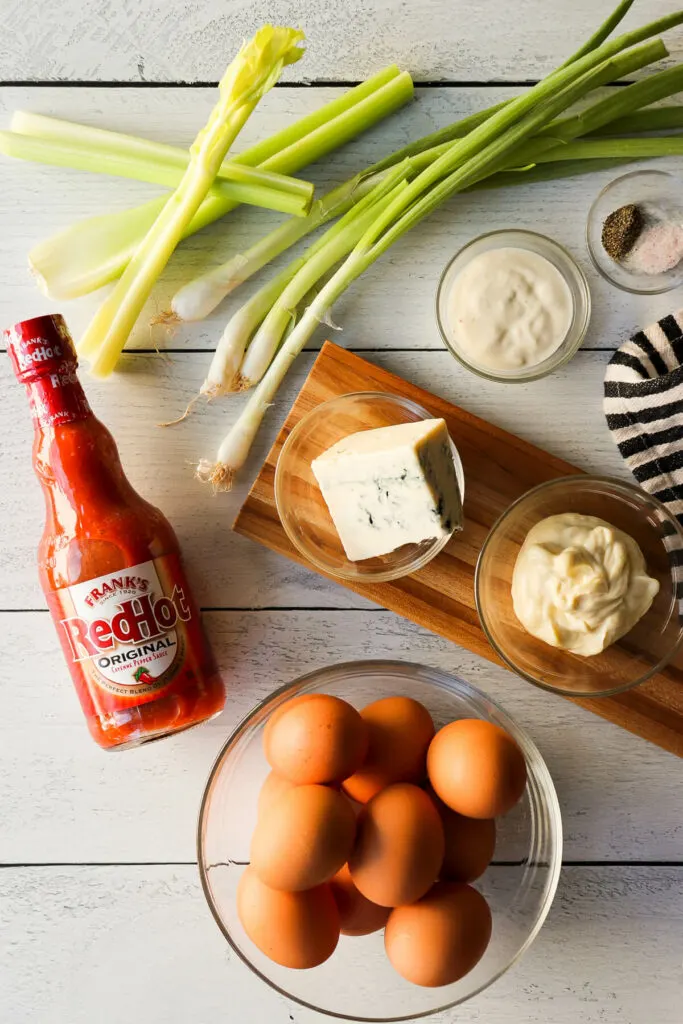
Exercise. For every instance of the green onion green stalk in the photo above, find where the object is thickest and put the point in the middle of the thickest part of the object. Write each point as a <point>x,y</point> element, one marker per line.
<point>486,150</point>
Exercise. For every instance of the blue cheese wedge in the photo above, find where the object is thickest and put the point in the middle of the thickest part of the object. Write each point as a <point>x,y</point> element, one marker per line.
<point>390,486</point>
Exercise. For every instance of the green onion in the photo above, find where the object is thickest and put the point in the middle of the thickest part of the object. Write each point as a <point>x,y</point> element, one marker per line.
<point>657,119</point>
<point>247,185</point>
<point>252,73</point>
<point>93,252</point>
<point>199,297</point>
<point>484,151</point>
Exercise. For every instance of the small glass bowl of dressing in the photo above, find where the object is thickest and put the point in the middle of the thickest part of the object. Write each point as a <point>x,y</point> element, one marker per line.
<point>300,504</point>
<point>645,269</point>
<point>558,274</point>
<point>653,642</point>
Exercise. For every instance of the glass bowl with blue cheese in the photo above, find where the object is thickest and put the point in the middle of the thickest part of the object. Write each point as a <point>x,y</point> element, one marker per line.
<point>369,486</point>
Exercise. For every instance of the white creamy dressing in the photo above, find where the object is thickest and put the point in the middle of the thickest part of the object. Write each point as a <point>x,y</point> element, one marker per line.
<point>580,584</point>
<point>509,308</point>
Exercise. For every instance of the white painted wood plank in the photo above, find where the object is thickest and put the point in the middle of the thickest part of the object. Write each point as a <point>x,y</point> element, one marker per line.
<point>390,306</point>
<point>137,943</point>
<point>152,40</point>
<point>64,801</point>
<point>562,414</point>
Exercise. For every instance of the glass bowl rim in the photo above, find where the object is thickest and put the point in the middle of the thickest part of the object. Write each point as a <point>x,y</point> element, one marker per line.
<point>447,681</point>
<point>612,482</point>
<point>381,576</point>
<point>629,289</point>
<point>581,315</point>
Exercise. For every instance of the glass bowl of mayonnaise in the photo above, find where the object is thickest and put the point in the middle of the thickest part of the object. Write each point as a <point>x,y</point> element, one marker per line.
<point>579,587</point>
<point>513,306</point>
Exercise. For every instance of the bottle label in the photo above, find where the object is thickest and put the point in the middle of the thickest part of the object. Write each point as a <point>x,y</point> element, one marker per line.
<point>128,635</point>
<point>58,398</point>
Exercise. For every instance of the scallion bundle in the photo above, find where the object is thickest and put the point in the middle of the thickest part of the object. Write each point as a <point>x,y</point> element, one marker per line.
<point>516,140</point>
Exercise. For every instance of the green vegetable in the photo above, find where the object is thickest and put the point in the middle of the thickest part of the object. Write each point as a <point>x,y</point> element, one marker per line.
<point>486,150</point>
<point>93,252</point>
<point>234,183</point>
<point>252,73</point>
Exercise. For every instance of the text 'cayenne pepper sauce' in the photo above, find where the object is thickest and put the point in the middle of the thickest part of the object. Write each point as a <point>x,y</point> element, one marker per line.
<point>109,563</point>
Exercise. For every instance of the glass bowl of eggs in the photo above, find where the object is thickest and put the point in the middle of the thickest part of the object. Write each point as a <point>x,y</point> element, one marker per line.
<point>379,841</point>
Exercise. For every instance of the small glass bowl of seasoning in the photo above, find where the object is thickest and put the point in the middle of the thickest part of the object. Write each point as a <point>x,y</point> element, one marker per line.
<point>513,306</point>
<point>635,232</point>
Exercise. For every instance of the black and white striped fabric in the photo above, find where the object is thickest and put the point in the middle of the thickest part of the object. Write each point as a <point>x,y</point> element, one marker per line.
<point>644,408</point>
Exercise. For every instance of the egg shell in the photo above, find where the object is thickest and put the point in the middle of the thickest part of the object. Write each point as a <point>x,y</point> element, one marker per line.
<point>470,843</point>
<point>476,768</point>
<point>273,788</point>
<point>294,929</point>
<point>399,732</point>
<point>439,939</point>
<point>317,740</point>
<point>357,915</point>
<point>303,839</point>
<point>399,846</point>
<point>279,711</point>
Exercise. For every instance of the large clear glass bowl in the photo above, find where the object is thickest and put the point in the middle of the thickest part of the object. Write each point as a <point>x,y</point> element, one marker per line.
<point>358,982</point>
<point>645,650</point>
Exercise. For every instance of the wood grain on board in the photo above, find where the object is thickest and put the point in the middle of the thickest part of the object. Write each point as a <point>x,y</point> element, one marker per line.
<point>499,468</point>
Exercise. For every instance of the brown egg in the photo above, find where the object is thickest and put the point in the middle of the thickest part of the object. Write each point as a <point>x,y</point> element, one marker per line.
<point>316,740</point>
<point>399,730</point>
<point>295,929</point>
<point>303,839</point>
<point>440,938</point>
<point>470,843</point>
<point>399,846</point>
<point>287,706</point>
<point>274,787</point>
<point>357,915</point>
<point>476,768</point>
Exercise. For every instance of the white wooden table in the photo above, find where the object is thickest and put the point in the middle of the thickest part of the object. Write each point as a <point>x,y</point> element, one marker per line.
<point>101,915</point>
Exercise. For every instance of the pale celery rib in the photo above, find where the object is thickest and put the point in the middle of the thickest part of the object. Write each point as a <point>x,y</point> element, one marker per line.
<point>251,74</point>
<point>93,252</point>
<point>486,150</point>
<point>256,188</point>
<point>68,134</point>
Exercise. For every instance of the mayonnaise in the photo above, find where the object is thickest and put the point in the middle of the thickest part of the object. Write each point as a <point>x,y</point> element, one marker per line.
<point>508,309</point>
<point>580,584</point>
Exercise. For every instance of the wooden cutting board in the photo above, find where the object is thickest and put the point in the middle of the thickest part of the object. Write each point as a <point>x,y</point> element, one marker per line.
<point>499,467</point>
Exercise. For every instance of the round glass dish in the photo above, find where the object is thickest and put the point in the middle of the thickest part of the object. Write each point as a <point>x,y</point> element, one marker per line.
<point>562,260</point>
<point>646,649</point>
<point>301,506</point>
<point>660,196</point>
<point>358,982</point>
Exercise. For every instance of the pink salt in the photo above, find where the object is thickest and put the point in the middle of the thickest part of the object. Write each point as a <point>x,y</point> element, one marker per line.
<point>659,248</point>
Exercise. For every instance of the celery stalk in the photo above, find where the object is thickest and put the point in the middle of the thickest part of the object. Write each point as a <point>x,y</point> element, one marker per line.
<point>258,190</point>
<point>65,270</point>
<point>252,73</point>
<point>130,149</point>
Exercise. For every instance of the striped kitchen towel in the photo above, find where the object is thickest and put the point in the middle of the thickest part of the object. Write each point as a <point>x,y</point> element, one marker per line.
<point>644,408</point>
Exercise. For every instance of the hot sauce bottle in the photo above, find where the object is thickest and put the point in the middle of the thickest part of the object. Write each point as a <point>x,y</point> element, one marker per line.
<point>109,563</point>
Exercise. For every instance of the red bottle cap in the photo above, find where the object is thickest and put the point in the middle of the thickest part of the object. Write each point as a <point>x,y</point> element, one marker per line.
<point>39,347</point>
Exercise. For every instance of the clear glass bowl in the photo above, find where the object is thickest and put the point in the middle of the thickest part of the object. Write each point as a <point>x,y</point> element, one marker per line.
<point>560,259</point>
<point>301,506</point>
<point>642,652</point>
<point>358,982</point>
<point>660,195</point>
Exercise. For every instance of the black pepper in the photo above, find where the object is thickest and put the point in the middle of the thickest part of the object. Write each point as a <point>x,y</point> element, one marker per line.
<point>621,230</point>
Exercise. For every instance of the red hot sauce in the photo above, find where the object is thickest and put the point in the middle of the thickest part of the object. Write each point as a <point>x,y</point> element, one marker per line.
<point>109,563</point>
